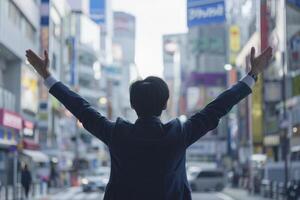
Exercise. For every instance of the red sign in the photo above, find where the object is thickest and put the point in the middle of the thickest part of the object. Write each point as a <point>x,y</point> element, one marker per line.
<point>30,144</point>
<point>28,124</point>
<point>10,119</point>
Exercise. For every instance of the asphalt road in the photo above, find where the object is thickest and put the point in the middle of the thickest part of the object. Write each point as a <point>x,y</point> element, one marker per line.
<point>77,194</point>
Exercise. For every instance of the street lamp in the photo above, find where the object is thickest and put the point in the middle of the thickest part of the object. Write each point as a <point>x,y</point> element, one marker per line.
<point>228,67</point>
<point>172,48</point>
<point>103,101</point>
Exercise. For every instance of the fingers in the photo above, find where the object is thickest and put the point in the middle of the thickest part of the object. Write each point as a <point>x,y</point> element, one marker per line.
<point>46,55</point>
<point>31,55</point>
<point>46,58</point>
<point>252,53</point>
<point>268,52</point>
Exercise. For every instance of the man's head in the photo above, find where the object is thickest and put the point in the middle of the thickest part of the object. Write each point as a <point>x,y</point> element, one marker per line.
<point>149,97</point>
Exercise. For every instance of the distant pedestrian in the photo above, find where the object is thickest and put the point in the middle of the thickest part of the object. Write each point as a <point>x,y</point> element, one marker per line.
<point>26,180</point>
<point>53,176</point>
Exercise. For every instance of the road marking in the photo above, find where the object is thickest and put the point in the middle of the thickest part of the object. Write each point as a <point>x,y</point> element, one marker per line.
<point>94,195</point>
<point>79,196</point>
<point>224,196</point>
<point>62,196</point>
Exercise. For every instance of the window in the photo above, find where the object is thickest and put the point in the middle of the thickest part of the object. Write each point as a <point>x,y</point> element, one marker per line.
<point>29,31</point>
<point>210,174</point>
<point>14,14</point>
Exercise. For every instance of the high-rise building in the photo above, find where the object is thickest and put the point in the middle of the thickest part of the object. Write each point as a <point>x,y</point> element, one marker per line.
<point>19,30</point>
<point>271,117</point>
<point>123,69</point>
<point>175,61</point>
<point>205,76</point>
<point>85,77</point>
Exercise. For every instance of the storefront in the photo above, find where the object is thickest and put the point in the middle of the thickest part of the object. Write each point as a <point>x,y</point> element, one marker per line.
<point>38,164</point>
<point>10,127</point>
<point>271,144</point>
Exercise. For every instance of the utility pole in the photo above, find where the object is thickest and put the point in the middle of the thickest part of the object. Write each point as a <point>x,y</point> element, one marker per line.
<point>285,136</point>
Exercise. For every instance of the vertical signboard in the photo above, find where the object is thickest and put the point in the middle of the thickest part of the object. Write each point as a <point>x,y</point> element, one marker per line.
<point>257,113</point>
<point>234,42</point>
<point>45,10</point>
<point>296,85</point>
<point>205,12</point>
<point>97,11</point>
<point>43,93</point>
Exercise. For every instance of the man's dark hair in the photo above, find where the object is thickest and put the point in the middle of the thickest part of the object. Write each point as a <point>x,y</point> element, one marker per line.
<point>149,97</point>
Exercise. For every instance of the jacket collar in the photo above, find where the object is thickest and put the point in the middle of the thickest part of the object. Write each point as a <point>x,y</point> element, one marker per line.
<point>148,119</point>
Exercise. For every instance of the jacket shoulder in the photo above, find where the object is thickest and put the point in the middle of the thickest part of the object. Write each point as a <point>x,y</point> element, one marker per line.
<point>174,126</point>
<point>123,124</point>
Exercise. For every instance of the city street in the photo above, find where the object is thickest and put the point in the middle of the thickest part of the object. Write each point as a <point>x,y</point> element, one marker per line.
<point>149,96</point>
<point>76,193</point>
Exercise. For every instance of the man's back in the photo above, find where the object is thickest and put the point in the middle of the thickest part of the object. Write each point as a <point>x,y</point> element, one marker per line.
<point>147,161</point>
<point>148,157</point>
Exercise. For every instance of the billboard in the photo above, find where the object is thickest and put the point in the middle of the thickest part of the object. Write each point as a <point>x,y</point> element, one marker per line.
<point>97,11</point>
<point>202,88</point>
<point>234,42</point>
<point>296,85</point>
<point>205,12</point>
<point>257,112</point>
<point>29,94</point>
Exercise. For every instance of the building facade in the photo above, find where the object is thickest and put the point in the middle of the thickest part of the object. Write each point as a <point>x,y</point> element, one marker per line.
<point>21,22</point>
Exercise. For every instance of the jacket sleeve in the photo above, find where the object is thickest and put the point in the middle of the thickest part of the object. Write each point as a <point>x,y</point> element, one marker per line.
<point>91,120</point>
<point>208,118</point>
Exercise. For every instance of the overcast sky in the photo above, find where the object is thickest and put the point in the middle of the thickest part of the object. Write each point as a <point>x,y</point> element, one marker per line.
<point>154,18</point>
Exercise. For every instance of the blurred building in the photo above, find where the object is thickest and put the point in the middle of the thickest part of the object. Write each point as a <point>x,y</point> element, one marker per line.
<point>293,64</point>
<point>242,36</point>
<point>122,70</point>
<point>19,30</point>
<point>101,13</point>
<point>84,78</point>
<point>54,132</point>
<point>174,57</point>
<point>274,120</point>
<point>205,76</point>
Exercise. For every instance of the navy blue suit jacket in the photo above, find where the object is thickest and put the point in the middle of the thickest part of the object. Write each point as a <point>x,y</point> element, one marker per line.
<point>148,157</point>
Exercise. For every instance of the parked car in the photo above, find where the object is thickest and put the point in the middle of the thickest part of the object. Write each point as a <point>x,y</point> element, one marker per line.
<point>207,180</point>
<point>96,181</point>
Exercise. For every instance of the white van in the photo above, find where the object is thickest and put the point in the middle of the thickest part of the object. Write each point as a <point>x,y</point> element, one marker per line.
<point>207,180</point>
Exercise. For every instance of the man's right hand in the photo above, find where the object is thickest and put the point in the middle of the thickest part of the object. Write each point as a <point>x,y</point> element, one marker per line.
<point>40,65</point>
<point>259,63</point>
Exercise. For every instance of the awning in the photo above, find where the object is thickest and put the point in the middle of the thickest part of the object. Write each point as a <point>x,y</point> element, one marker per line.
<point>36,156</point>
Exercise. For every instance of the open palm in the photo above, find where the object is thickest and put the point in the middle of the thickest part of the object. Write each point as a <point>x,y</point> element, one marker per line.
<point>40,64</point>
<point>260,62</point>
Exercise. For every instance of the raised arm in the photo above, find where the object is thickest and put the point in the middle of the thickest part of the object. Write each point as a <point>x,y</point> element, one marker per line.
<point>91,120</point>
<point>208,118</point>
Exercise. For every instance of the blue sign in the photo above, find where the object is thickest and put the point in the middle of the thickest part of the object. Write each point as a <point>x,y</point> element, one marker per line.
<point>295,2</point>
<point>200,13</point>
<point>44,20</point>
<point>97,11</point>
<point>1,133</point>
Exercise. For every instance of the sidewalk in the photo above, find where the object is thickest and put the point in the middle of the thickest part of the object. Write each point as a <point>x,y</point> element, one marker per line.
<point>65,193</point>
<point>36,195</point>
<point>241,194</point>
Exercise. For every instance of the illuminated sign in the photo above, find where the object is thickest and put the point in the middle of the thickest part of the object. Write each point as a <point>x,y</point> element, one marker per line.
<point>10,119</point>
<point>199,13</point>
<point>97,11</point>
